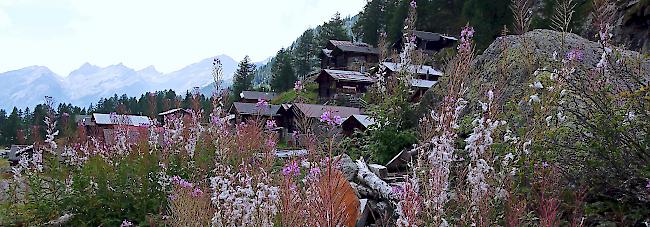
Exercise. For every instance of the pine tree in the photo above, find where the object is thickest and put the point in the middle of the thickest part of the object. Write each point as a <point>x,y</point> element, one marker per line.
<point>243,78</point>
<point>333,30</point>
<point>371,22</point>
<point>12,127</point>
<point>283,74</point>
<point>305,53</point>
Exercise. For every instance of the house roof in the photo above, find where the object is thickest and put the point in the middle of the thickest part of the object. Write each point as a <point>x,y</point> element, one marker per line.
<point>253,109</point>
<point>315,111</point>
<point>430,36</point>
<point>347,46</point>
<point>419,69</point>
<point>351,76</point>
<point>114,119</point>
<point>257,95</point>
<point>172,111</point>
<point>327,53</point>
<point>364,120</point>
<point>423,83</point>
<point>84,120</point>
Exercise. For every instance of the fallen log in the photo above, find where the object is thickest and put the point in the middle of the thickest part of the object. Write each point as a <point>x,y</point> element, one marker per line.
<point>383,189</point>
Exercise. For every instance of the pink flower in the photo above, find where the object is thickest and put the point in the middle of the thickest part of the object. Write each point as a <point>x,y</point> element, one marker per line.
<point>575,55</point>
<point>297,86</point>
<point>414,4</point>
<point>648,186</point>
<point>261,103</point>
<point>270,142</point>
<point>126,223</point>
<point>185,184</point>
<point>291,169</point>
<point>197,192</point>
<point>270,124</point>
<point>466,39</point>
<point>327,117</point>
<point>314,171</point>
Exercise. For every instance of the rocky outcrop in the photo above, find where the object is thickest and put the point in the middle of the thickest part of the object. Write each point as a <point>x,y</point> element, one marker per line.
<point>510,61</point>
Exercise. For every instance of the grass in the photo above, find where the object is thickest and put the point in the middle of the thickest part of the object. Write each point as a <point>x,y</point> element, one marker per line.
<point>309,95</point>
<point>4,168</point>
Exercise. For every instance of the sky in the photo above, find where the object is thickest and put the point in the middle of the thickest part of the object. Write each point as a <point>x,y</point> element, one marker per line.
<point>169,34</point>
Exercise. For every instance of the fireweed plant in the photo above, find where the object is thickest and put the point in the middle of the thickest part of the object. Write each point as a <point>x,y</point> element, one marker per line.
<point>577,135</point>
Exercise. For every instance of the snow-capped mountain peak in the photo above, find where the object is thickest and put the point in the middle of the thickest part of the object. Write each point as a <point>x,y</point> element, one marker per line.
<point>89,83</point>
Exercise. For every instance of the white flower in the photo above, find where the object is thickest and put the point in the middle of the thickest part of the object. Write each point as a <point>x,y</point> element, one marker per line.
<point>536,85</point>
<point>548,120</point>
<point>534,98</point>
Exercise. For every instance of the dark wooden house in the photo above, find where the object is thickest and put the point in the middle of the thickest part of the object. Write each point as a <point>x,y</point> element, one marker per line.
<point>301,115</point>
<point>429,41</point>
<point>254,96</point>
<point>357,122</point>
<point>249,111</point>
<point>423,72</point>
<point>332,82</point>
<point>178,113</point>
<point>348,55</point>
<point>103,126</point>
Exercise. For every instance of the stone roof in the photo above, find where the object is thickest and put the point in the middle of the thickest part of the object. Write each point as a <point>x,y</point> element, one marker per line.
<point>430,36</point>
<point>351,76</point>
<point>315,111</point>
<point>253,109</point>
<point>256,95</point>
<point>364,120</point>
<point>418,69</point>
<point>422,83</point>
<point>347,46</point>
<point>114,119</point>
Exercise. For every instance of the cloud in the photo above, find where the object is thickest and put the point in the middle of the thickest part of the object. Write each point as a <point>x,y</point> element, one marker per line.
<point>37,19</point>
<point>63,34</point>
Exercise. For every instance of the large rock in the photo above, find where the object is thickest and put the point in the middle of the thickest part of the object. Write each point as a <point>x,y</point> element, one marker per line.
<point>510,62</point>
<point>348,167</point>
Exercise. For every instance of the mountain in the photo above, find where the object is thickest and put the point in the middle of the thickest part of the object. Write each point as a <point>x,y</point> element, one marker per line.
<point>28,86</point>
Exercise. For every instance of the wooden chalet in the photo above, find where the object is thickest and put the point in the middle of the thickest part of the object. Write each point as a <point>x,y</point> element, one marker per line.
<point>178,113</point>
<point>247,111</point>
<point>332,82</point>
<point>424,77</point>
<point>300,114</point>
<point>348,55</point>
<point>429,41</point>
<point>254,96</point>
<point>357,122</point>
<point>103,126</point>
<point>423,72</point>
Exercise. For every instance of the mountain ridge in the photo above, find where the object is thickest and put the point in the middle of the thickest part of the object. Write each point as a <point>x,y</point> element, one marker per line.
<point>27,87</point>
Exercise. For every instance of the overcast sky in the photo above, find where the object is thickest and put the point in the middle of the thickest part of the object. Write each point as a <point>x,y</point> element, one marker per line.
<point>169,34</point>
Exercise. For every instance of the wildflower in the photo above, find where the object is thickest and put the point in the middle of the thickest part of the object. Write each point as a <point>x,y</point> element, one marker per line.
<point>185,184</point>
<point>545,164</point>
<point>314,171</point>
<point>575,55</point>
<point>536,85</point>
<point>648,185</point>
<point>261,103</point>
<point>466,39</point>
<point>397,190</point>
<point>534,98</point>
<point>171,197</point>
<point>126,223</point>
<point>270,124</point>
<point>291,169</point>
<point>327,117</point>
<point>413,4</point>
<point>297,86</point>
<point>270,142</point>
<point>197,192</point>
